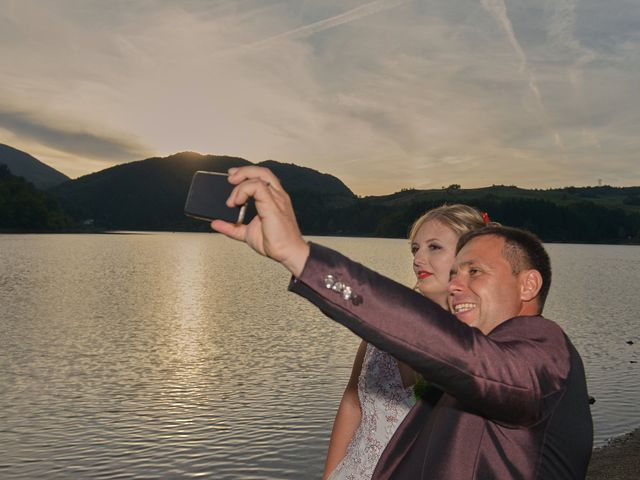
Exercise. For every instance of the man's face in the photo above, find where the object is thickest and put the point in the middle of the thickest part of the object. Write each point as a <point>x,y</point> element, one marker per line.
<point>483,291</point>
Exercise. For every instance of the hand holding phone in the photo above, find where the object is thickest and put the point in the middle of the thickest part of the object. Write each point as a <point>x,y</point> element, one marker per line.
<point>207,196</point>
<point>276,234</point>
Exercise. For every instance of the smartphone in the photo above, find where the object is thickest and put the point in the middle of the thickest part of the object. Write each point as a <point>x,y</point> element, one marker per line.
<point>207,196</point>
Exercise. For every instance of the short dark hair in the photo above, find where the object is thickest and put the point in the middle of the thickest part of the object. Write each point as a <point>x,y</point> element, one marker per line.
<point>522,249</point>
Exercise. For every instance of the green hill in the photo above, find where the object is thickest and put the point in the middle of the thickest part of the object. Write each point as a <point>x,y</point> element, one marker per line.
<point>23,208</point>
<point>143,195</point>
<point>573,214</point>
<point>626,198</point>
<point>150,194</point>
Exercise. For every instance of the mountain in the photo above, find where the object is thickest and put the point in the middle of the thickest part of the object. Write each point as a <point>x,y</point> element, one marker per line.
<point>150,194</point>
<point>30,168</point>
<point>295,178</point>
<point>23,208</point>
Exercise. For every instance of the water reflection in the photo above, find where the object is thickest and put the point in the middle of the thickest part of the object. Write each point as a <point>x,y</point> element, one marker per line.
<point>594,299</point>
<point>148,356</point>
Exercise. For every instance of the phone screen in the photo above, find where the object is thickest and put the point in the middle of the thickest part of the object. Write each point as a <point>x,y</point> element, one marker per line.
<point>207,196</point>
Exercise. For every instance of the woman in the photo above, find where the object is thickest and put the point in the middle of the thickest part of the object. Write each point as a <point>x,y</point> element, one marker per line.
<point>380,390</point>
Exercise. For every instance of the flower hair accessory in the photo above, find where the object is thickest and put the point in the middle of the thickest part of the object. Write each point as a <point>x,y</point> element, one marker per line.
<point>485,218</point>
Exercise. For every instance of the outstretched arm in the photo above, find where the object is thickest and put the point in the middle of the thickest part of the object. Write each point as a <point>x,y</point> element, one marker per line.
<point>505,375</point>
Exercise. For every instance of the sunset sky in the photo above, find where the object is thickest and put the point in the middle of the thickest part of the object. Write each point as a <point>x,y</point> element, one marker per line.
<point>383,94</point>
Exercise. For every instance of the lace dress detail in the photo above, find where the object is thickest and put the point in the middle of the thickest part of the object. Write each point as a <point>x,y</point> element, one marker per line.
<point>384,402</point>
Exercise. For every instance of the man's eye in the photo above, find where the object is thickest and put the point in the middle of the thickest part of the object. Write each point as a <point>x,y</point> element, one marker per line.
<point>473,271</point>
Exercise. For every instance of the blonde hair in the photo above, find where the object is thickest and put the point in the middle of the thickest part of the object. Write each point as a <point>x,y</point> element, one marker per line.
<point>459,218</point>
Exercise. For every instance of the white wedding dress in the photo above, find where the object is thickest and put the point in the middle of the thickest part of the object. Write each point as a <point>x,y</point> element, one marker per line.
<point>384,402</point>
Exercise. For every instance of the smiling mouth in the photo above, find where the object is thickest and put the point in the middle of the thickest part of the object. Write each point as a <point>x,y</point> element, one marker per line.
<point>464,307</point>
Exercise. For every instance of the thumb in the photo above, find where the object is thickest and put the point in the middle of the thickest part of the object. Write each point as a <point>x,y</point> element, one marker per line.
<point>231,230</point>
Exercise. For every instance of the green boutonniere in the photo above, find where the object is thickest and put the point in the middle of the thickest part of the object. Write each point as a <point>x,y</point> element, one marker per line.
<point>421,388</point>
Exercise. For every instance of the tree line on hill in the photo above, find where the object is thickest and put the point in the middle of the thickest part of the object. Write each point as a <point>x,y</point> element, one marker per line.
<point>23,208</point>
<point>579,222</point>
<point>150,194</point>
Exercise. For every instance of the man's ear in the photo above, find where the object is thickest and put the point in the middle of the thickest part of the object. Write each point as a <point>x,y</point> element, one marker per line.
<point>530,284</point>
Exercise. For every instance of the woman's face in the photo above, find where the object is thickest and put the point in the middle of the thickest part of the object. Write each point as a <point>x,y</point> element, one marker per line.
<point>434,250</point>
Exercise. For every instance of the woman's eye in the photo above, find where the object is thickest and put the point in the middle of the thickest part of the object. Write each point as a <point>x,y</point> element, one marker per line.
<point>414,249</point>
<point>434,247</point>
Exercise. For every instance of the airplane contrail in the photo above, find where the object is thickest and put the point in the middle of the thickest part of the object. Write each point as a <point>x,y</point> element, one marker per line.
<point>499,10</point>
<point>357,13</point>
<point>562,34</point>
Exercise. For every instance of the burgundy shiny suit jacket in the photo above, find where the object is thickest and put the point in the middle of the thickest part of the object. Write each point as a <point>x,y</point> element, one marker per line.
<point>515,402</point>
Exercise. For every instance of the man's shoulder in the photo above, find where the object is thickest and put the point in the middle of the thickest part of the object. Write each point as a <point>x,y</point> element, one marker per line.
<point>535,326</point>
<point>541,341</point>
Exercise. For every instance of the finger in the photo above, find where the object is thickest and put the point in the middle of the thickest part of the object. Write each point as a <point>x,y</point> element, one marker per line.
<point>240,174</point>
<point>231,230</point>
<point>253,188</point>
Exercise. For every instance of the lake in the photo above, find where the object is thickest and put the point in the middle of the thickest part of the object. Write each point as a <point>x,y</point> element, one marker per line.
<point>182,355</point>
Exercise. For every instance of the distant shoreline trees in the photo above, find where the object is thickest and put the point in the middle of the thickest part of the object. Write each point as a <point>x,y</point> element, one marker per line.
<point>150,194</point>
<point>580,222</point>
<point>23,208</point>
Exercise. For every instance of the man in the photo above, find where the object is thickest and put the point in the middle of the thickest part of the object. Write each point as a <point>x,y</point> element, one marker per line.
<point>515,402</point>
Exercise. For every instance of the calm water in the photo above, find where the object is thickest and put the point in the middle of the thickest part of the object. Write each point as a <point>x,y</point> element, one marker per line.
<point>183,355</point>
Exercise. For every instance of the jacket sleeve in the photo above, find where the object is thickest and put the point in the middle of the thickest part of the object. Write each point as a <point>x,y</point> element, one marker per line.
<point>514,375</point>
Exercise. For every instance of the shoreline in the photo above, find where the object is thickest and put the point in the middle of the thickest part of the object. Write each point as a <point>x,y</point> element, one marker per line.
<point>619,459</point>
<point>204,230</point>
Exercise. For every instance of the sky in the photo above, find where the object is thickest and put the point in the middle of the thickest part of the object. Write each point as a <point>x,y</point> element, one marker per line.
<point>384,94</point>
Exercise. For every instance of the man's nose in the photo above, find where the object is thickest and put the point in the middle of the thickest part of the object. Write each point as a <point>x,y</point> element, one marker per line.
<point>455,284</point>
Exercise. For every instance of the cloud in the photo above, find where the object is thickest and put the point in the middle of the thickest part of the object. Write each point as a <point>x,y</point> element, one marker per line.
<point>78,142</point>
<point>383,94</point>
